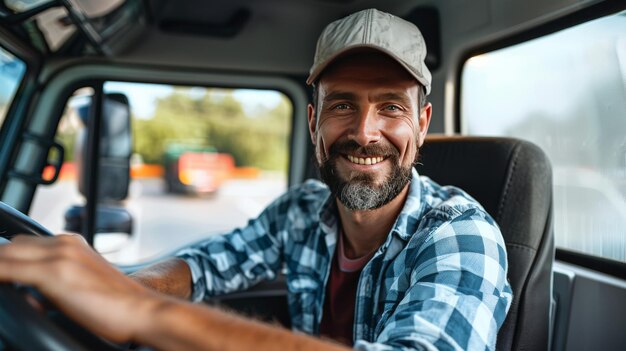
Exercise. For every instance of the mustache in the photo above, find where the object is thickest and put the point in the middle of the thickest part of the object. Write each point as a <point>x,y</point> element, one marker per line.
<point>352,147</point>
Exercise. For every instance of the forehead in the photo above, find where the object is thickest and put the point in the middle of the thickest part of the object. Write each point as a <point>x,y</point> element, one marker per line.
<point>366,71</point>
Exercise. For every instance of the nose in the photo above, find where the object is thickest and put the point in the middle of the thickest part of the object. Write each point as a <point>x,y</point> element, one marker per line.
<point>365,129</point>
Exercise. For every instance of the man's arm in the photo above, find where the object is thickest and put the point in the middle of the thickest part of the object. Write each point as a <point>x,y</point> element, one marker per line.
<point>171,277</point>
<point>116,307</point>
<point>178,325</point>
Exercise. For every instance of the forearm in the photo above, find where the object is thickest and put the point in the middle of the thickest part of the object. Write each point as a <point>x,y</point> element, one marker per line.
<point>177,325</point>
<point>171,277</point>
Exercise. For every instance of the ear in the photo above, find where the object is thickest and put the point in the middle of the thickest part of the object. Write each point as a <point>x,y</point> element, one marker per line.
<point>310,109</point>
<point>424,122</point>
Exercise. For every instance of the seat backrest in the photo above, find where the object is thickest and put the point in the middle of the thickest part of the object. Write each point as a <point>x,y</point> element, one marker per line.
<point>512,179</point>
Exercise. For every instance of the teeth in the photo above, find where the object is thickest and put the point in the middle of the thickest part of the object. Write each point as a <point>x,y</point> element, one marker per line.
<point>366,160</point>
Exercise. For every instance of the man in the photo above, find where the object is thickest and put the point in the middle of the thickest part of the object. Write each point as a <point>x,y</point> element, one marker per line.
<point>378,259</point>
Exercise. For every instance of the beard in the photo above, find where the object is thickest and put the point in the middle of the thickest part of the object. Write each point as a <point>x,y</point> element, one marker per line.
<point>360,192</point>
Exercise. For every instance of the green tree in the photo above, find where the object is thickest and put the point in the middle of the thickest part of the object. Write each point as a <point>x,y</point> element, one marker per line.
<point>217,119</point>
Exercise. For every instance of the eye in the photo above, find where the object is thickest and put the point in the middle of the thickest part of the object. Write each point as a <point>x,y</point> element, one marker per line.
<point>341,107</point>
<point>392,108</point>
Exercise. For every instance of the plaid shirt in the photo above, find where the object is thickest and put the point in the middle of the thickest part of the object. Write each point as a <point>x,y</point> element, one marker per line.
<point>437,282</point>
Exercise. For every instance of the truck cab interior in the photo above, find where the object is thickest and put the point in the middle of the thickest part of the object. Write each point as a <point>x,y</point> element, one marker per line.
<point>146,125</point>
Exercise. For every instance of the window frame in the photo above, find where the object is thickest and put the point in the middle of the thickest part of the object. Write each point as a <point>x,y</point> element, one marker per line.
<point>92,148</point>
<point>590,13</point>
<point>16,114</point>
<point>60,87</point>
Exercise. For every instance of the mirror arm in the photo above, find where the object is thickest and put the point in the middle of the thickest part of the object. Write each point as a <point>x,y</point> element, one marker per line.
<point>93,163</point>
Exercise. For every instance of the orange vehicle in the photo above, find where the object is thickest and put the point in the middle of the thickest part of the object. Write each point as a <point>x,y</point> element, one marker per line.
<point>193,169</point>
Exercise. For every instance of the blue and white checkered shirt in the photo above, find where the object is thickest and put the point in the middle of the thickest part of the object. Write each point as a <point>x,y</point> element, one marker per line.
<point>438,281</point>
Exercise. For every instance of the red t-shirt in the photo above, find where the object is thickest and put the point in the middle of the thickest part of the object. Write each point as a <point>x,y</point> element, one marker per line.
<point>338,314</point>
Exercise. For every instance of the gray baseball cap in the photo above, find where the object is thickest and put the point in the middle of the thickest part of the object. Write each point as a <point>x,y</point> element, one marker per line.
<point>392,35</point>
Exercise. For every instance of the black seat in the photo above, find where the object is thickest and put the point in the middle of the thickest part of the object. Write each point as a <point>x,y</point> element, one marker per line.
<point>512,179</point>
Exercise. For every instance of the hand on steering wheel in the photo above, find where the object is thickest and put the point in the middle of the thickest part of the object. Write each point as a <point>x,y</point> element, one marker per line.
<point>41,263</point>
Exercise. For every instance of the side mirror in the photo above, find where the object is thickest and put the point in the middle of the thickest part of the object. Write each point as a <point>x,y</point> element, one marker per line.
<point>115,148</point>
<point>113,166</point>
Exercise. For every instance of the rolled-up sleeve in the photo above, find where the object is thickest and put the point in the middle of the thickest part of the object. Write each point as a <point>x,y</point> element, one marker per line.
<point>235,261</point>
<point>458,295</point>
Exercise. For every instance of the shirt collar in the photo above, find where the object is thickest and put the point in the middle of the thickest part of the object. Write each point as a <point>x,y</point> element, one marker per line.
<point>329,219</point>
<point>406,223</point>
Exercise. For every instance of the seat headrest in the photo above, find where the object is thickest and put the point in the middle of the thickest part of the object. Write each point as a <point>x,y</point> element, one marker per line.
<point>498,172</point>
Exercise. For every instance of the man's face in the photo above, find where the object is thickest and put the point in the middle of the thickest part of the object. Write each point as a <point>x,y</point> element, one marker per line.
<point>369,131</point>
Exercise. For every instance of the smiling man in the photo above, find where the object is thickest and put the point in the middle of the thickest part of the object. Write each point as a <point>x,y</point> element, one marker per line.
<point>377,258</point>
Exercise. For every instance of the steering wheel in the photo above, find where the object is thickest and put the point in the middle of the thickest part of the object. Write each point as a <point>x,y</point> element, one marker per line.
<point>21,325</point>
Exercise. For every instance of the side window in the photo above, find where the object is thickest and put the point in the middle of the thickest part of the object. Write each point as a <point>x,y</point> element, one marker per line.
<point>11,73</point>
<point>565,92</point>
<point>177,165</point>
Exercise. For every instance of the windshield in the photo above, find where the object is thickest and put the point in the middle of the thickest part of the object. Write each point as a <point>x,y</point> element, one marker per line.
<point>11,73</point>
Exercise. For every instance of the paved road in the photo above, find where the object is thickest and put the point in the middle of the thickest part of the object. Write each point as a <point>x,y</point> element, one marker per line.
<point>163,222</point>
